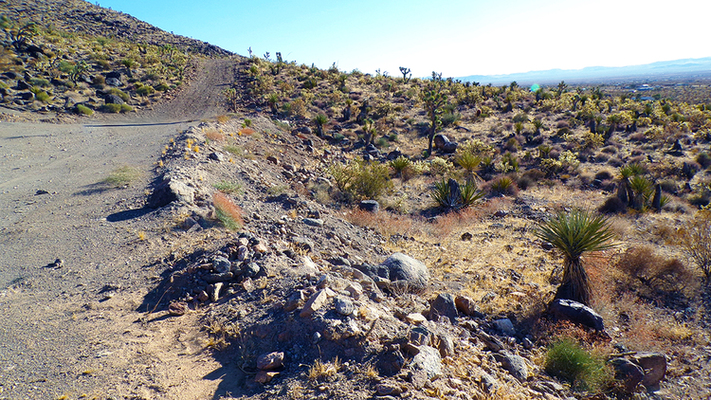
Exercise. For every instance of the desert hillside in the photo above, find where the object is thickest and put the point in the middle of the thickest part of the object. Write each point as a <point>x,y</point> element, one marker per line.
<point>204,225</point>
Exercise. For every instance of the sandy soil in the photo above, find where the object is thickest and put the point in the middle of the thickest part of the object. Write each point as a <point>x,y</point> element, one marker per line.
<point>74,328</point>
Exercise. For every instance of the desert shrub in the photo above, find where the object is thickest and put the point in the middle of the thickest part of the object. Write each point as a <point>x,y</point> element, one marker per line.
<point>362,180</point>
<point>641,264</point>
<point>41,82</point>
<point>42,96</point>
<point>228,187</point>
<point>694,240</point>
<point>450,195</point>
<point>439,166</point>
<point>84,110</point>
<point>125,108</point>
<point>227,212</point>
<point>504,186</point>
<point>119,93</point>
<point>569,361</point>
<point>111,108</point>
<point>704,159</point>
<point>469,161</point>
<point>145,90</point>
<point>98,80</point>
<point>162,87</point>
<point>613,205</point>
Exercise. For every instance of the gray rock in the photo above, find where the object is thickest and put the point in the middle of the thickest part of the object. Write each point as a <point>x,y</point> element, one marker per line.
<point>420,336</point>
<point>303,243</point>
<point>429,361</point>
<point>270,360</point>
<point>467,306</point>
<point>313,221</point>
<point>504,326</point>
<point>215,156</point>
<point>577,312</point>
<point>391,362</point>
<point>405,268</point>
<point>515,364</point>
<point>628,372</point>
<point>343,305</point>
<point>250,269</point>
<point>440,141</point>
<point>488,383</point>
<point>446,346</point>
<point>654,366</point>
<point>369,205</point>
<point>221,264</point>
<point>170,190</point>
<point>115,82</point>
<point>443,306</point>
<point>449,147</point>
<point>113,99</point>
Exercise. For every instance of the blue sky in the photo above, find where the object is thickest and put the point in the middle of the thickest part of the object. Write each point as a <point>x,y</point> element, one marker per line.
<point>457,38</point>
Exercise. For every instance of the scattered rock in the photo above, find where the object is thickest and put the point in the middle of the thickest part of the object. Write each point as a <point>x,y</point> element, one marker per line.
<point>577,312</point>
<point>429,361</point>
<point>466,236</point>
<point>654,366</point>
<point>221,264</point>
<point>369,205</point>
<point>443,306</point>
<point>177,308</point>
<point>315,302</point>
<point>415,318</point>
<point>170,190</point>
<point>313,221</point>
<point>343,305</point>
<point>628,372</point>
<point>513,363</point>
<point>405,268</point>
<point>504,326</point>
<point>271,360</point>
<point>265,377</point>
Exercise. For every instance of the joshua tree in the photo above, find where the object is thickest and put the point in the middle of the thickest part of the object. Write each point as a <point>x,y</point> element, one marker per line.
<point>434,98</point>
<point>406,75</point>
<point>573,234</point>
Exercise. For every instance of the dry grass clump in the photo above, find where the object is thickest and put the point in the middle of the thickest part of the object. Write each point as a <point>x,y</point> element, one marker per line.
<point>123,176</point>
<point>227,212</point>
<point>643,265</point>
<point>320,370</point>
<point>214,135</point>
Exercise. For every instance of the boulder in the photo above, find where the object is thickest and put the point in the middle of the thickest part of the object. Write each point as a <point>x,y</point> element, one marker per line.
<point>113,99</point>
<point>443,306</point>
<point>402,267</point>
<point>369,205</point>
<point>428,360</point>
<point>467,306</point>
<point>115,82</point>
<point>654,366</point>
<point>170,190</point>
<point>271,360</point>
<point>627,372</point>
<point>449,147</point>
<point>440,141</point>
<point>515,364</point>
<point>577,312</point>
<point>504,326</point>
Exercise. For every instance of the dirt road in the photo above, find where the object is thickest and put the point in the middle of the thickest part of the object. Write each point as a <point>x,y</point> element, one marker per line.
<point>71,329</point>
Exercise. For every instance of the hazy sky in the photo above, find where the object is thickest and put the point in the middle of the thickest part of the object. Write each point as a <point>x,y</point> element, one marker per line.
<point>457,38</point>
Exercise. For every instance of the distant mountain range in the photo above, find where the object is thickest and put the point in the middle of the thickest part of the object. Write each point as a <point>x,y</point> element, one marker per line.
<point>685,69</point>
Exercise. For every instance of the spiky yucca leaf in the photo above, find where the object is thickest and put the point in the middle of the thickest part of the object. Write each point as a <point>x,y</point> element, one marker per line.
<point>449,195</point>
<point>573,234</point>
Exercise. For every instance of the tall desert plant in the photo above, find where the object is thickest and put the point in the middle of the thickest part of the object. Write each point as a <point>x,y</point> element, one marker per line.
<point>573,234</point>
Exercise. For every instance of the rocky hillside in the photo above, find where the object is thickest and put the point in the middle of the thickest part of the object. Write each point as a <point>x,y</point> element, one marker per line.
<point>73,57</point>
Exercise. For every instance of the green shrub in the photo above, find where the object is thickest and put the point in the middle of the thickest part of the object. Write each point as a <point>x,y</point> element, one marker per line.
<point>42,96</point>
<point>126,108</point>
<point>362,180</point>
<point>84,110</point>
<point>569,361</point>
<point>145,90</point>
<point>162,87</point>
<point>41,82</point>
<point>228,187</point>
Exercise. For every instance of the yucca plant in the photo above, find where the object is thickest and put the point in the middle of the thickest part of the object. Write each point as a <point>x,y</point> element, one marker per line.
<point>573,234</point>
<point>470,162</point>
<point>320,120</point>
<point>400,165</point>
<point>450,195</point>
<point>631,170</point>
